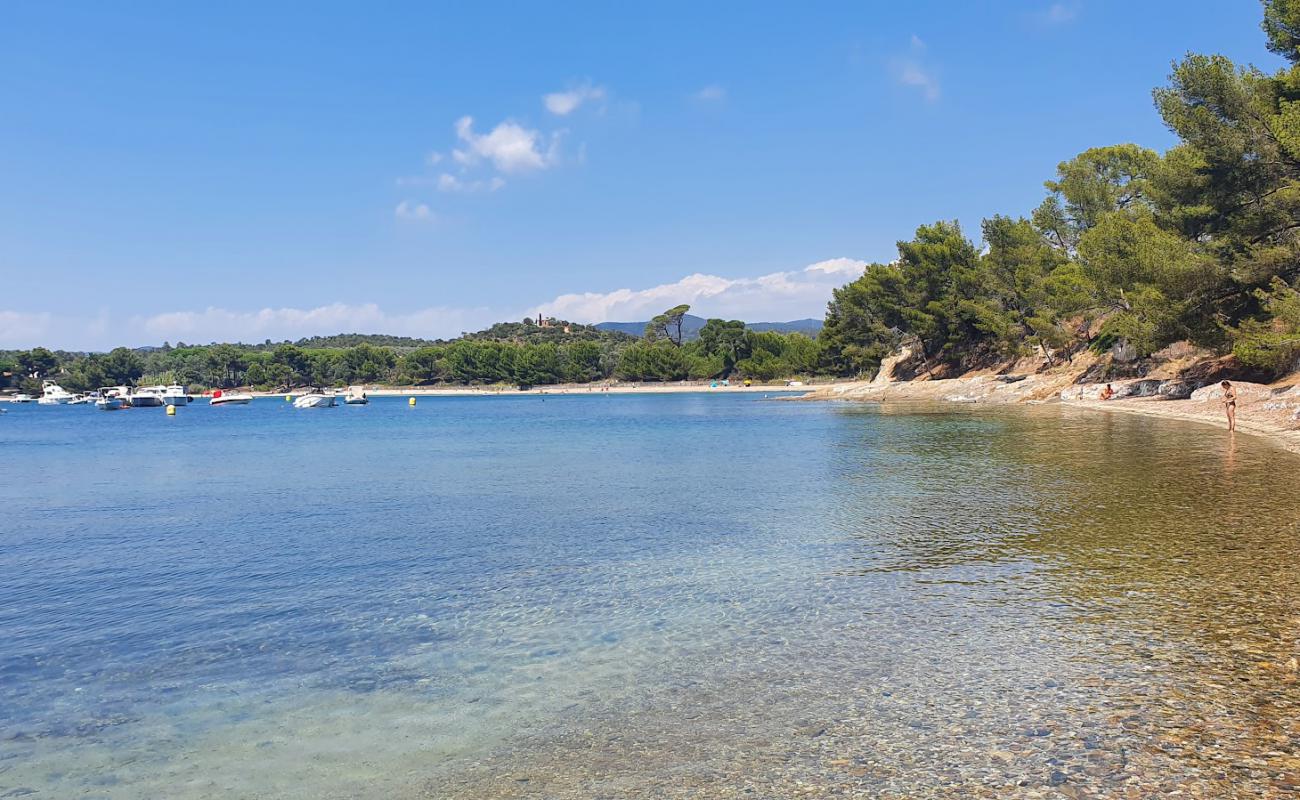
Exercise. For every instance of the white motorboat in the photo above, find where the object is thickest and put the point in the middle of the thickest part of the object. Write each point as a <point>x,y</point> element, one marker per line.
<point>356,396</point>
<point>316,398</point>
<point>175,395</point>
<point>147,397</point>
<point>84,399</point>
<point>21,398</point>
<point>220,398</point>
<point>111,398</point>
<point>53,394</point>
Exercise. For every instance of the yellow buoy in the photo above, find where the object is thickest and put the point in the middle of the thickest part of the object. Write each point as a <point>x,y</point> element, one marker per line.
<point>288,398</point>
<point>171,411</point>
<point>411,401</point>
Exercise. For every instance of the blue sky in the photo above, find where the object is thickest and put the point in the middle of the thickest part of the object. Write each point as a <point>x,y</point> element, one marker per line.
<point>242,171</point>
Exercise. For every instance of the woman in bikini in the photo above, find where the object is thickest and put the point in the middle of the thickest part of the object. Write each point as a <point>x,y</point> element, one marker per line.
<point>1230,404</point>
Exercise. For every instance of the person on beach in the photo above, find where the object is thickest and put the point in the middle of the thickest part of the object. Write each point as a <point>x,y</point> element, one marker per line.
<point>1230,404</point>
<point>1108,392</point>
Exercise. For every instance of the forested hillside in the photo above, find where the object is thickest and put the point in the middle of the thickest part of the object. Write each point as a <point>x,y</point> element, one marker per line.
<point>508,353</point>
<point>1130,246</point>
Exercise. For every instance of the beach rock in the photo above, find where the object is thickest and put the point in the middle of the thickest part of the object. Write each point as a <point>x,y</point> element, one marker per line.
<point>1147,387</point>
<point>1175,389</point>
<point>1245,391</point>
<point>1092,391</point>
<point>895,367</point>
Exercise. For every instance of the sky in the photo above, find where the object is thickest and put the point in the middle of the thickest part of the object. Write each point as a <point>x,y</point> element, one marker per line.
<point>249,171</point>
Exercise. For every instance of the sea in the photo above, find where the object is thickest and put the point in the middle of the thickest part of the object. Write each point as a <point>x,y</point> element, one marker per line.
<point>587,594</point>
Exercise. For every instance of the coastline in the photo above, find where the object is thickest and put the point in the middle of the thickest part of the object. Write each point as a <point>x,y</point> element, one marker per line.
<point>1288,438</point>
<point>1264,410</point>
<point>579,388</point>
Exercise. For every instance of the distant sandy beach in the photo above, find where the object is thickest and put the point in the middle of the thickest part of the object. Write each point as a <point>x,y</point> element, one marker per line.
<point>625,388</point>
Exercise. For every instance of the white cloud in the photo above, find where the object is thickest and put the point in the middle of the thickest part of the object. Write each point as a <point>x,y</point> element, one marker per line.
<point>433,158</point>
<point>911,70</point>
<point>219,324</point>
<point>776,297</point>
<point>510,147</point>
<point>848,267</point>
<point>19,329</point>
<point>566,102</point>
<point>713,93</point>
<point>1058,14</point>
<point>413,212</point>
<point>450,183</point>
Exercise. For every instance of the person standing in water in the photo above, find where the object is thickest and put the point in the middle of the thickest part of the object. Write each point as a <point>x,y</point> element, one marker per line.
<point>1230,404</point>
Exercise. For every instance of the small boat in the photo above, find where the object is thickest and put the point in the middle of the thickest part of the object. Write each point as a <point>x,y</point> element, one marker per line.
<point>147,397</point>
<point>220,398</point>
<point>53,394</point>
<point>112,398</point>
<point>84,399</point>
<point>356,396</point>
<point>316,398</point>
<point>175,395</point>
<point>21,398</point>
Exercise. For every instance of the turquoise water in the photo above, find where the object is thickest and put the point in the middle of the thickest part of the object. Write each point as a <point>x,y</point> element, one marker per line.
<point>504,596</point>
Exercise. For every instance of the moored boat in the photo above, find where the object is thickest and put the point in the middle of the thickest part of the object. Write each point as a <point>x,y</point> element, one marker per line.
<point>175,395</point>
<point>111,398</point>
<point>316,398</point>
<point>53,394</point>
<point>21,398</point>
<point>222,398</point>
<point>356,396</point>
<point>147,397</point>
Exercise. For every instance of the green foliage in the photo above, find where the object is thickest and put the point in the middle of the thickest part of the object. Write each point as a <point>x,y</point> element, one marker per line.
<point>1273,341</point>
<point>554,331</point>
<point>668,325</point>
<point>1095,182</point>
<point>652,361</point>
<point>1149,279</point>
<point>1201,243</point>
<point>37,362</point>
<point>122,366</point>
<point>1282,25</point>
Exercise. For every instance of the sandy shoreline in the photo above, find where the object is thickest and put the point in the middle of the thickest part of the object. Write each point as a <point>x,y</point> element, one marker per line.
<point>1269,411</point>
<point>1193,411</point>
<point>581,389</point>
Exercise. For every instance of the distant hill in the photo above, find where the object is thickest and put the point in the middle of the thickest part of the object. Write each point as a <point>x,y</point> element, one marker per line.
<point>556,331</point>
<point>341,340</point>
<point>691,325</point>
<point>810,327</point>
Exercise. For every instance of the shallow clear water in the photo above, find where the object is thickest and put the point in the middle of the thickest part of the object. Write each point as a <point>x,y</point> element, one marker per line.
<point>675,595</point>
